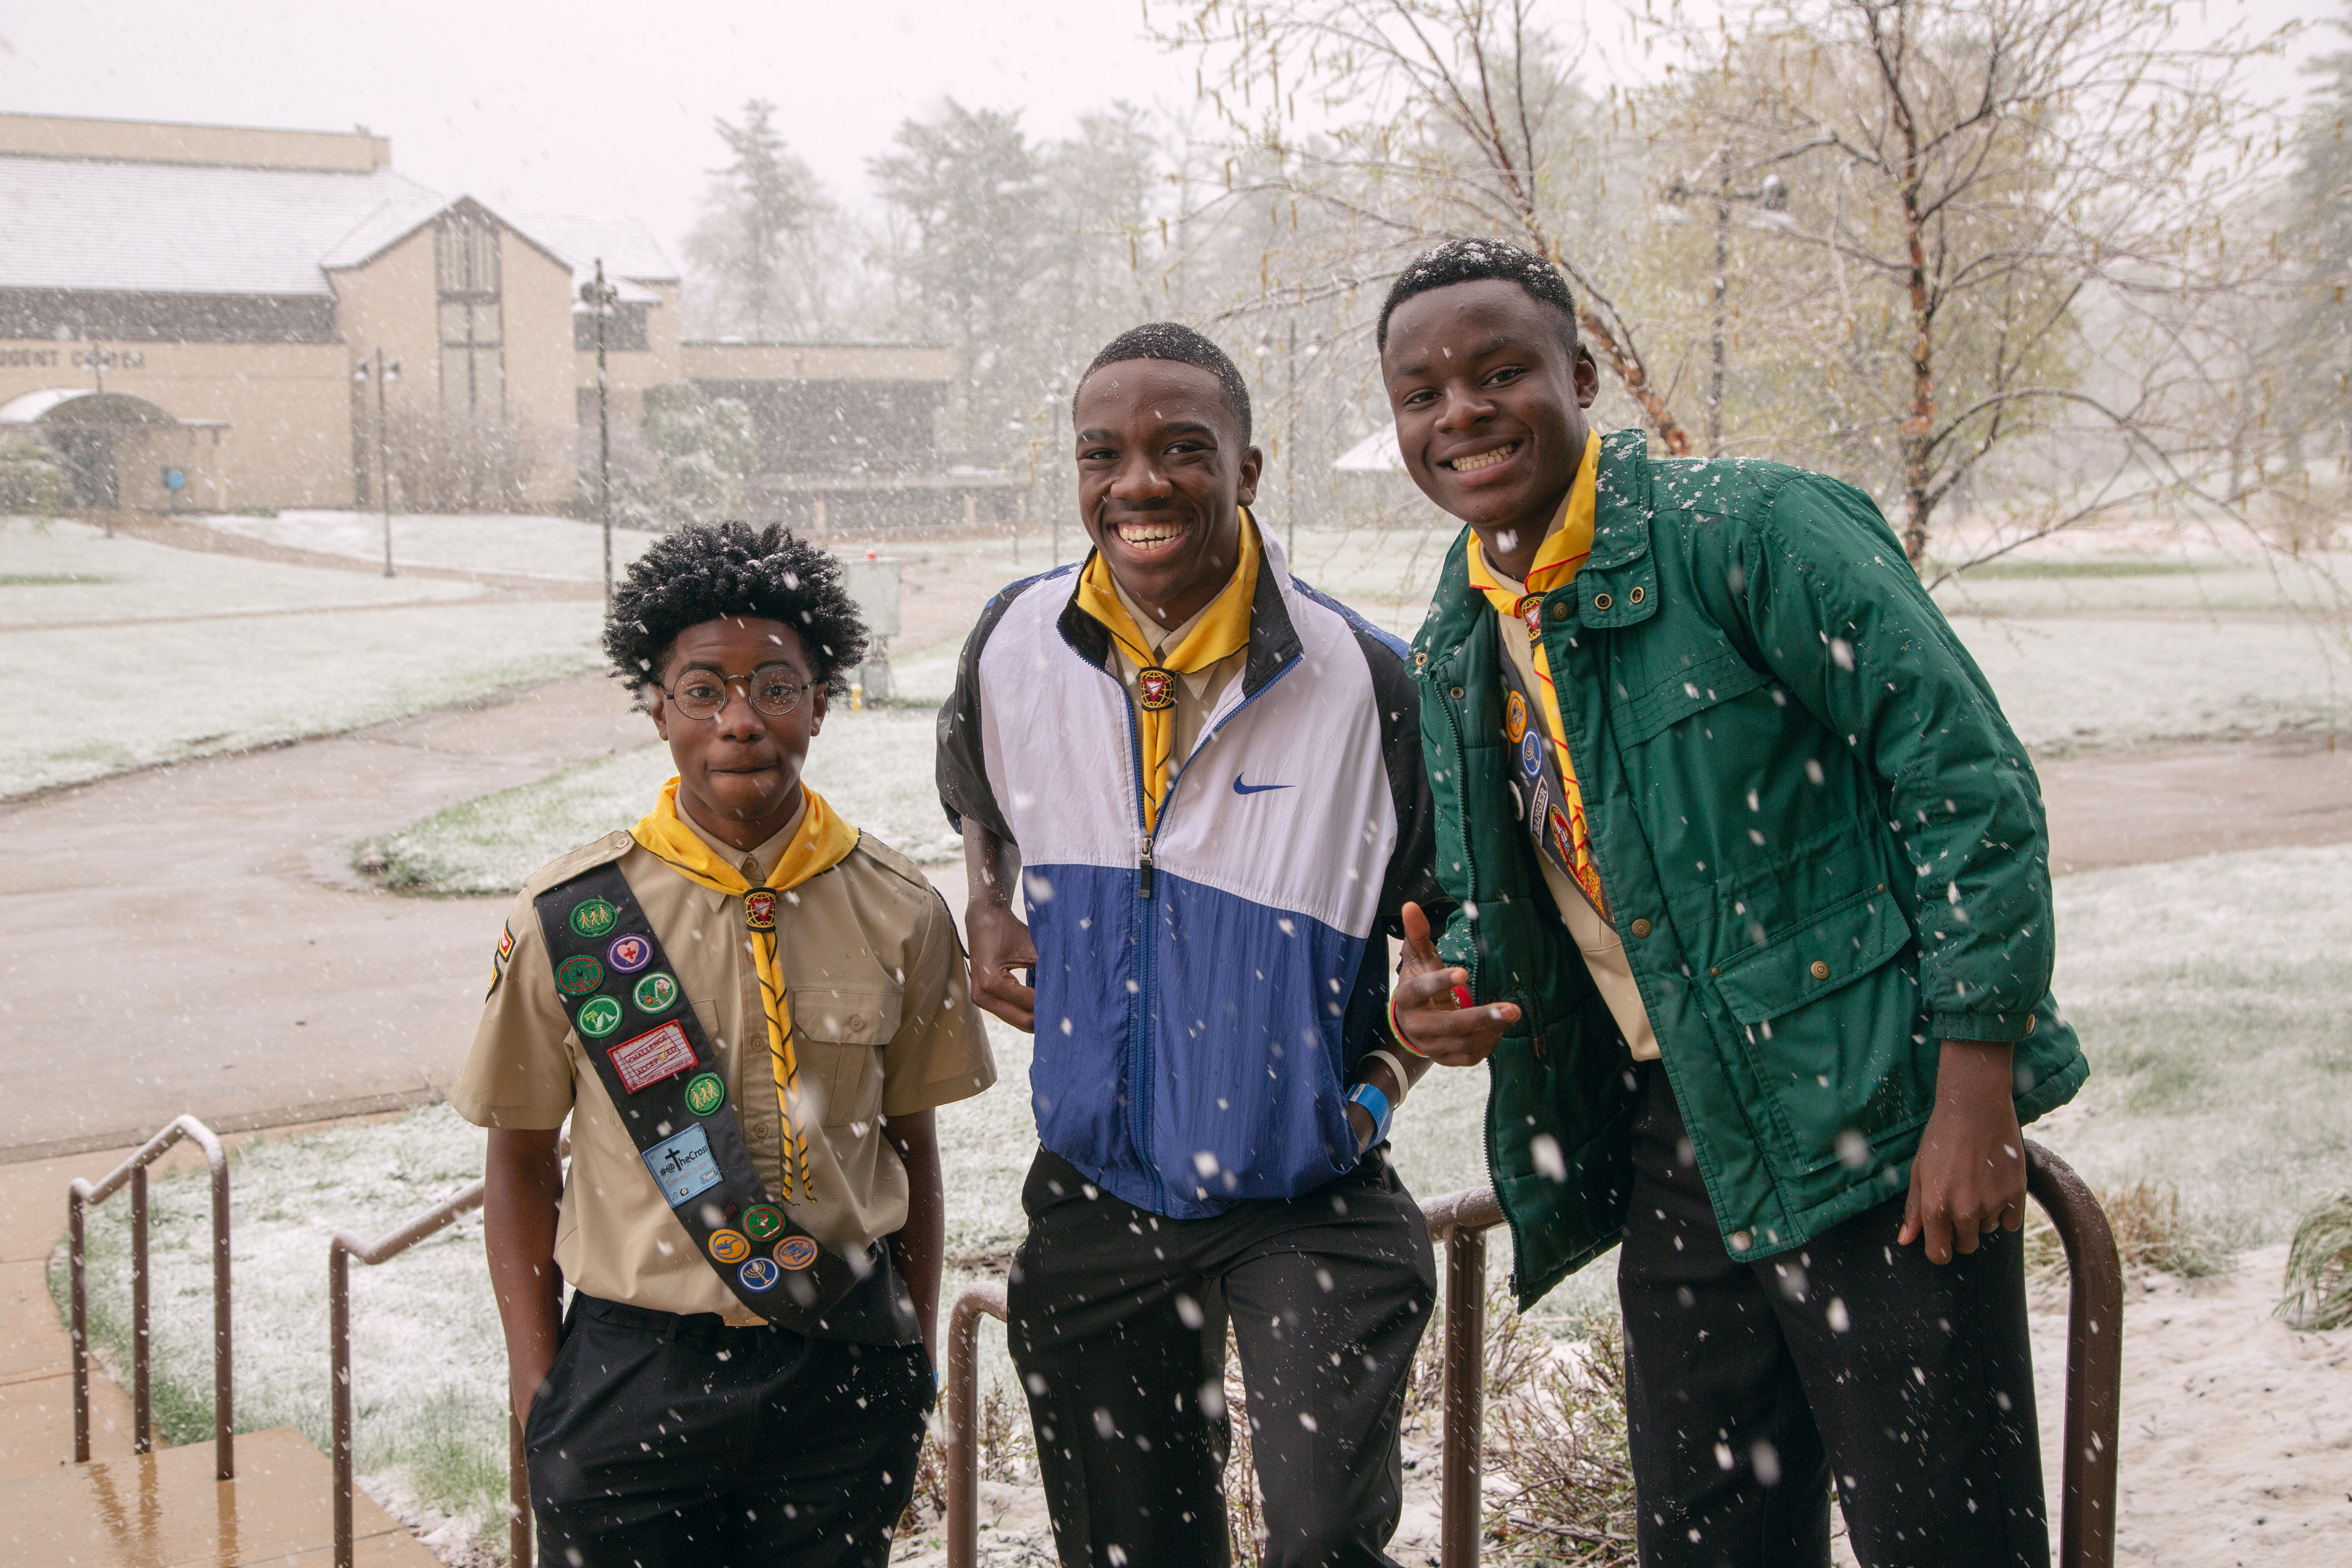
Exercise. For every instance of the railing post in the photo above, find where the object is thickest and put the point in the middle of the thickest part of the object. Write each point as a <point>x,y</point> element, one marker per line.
<point>2095,1359</point>
<point>224,1360</point>
<point>78,1270</point>
<point>960,1438</point>
<point>1460,1501</point>
<point>143,1439</point>
<point>339,1392</point>
<point>519,1521</point>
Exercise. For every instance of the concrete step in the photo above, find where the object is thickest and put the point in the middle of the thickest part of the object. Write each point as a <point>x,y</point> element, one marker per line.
<point>165,1510</point>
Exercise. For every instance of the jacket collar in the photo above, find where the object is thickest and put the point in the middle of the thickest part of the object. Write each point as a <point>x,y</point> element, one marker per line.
<point>1274,636</point>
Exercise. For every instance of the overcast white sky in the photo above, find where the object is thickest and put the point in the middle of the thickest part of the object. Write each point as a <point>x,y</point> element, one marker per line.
<point>603,109</point>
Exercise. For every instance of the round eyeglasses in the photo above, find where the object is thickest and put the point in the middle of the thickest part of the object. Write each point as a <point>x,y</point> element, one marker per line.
<point>773,689</point>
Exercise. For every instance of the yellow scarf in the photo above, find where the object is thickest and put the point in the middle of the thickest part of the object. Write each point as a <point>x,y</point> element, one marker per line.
<point>1222,631</point>
<point>1563,551</point>
<point>824,841</point>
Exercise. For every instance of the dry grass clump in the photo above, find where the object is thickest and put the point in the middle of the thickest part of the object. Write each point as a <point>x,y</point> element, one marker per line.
<point>2152,1236</point>
<point>2319,1267</point>
<point>1556,1435</point>
<point>1008,1450</point>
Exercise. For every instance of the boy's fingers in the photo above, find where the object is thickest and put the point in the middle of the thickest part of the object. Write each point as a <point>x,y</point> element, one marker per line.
<point>1417,943</point>
<point>1430,988</point>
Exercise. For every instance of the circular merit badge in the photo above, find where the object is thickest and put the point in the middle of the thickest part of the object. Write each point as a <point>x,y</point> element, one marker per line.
<point>629,953</point>
<point>1155,688</point>
<point>1531,612</point>
<point>578,975</point>
<point>759,1273</point>
<point>796,1252</point>
<point>1531,755</point>
<point>593,918</point>
<point>705,1092</point>
<point>657,993</point>
<point>1515,721</point>
<point>730,1246</point>
<point>759,908</point>
<point>599,1017</point>
<point>763,1221</point>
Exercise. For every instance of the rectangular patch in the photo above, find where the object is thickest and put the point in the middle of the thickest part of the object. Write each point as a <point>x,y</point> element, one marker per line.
<point>651,1057</point>
<point>682,1166</point>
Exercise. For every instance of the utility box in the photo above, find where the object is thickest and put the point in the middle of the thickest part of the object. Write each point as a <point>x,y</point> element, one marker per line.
<point>873,582</point>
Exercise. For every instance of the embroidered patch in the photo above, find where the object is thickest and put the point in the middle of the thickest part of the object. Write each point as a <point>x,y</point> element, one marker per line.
<point>759,908</point>
<point>763,1221</point>
<point>730,1246</point>
<point>578,975</point>
<point>758,1275</point>
<point>682,1166</point>
<point>498,961</point>
<point>629,953</point>
<point>598,1016</point>
<point>655,994</point>
<point>650,1057</point>
<point>1541,801</point>
<point>1515,718</point>
<point>1562,844</point>
<point>1155,688</point>
<point>704,1091</point>
<point>1531,612</point>
<point>594,917</point>
<point>796,1252</point>
<point>1531,755</point>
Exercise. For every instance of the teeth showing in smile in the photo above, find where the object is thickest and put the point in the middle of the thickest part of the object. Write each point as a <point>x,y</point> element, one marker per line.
<point>1483,460</point>
<point>1149,535</point>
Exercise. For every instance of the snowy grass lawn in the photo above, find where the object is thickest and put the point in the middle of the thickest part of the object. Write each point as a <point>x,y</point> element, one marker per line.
<point>60,570</point>
<point>873,767</point>
<point>95,700</point>
<point>524,546</point>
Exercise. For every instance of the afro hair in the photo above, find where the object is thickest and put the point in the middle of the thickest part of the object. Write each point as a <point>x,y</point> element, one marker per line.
<point>706,573</point>
<point>1472,261</point>
<point>1175,342</point>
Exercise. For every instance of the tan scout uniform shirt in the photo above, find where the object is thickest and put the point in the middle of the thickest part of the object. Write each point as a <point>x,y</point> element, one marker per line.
<point>883,1026</point>
<point>1603,949</point>
<point>1197,694</point>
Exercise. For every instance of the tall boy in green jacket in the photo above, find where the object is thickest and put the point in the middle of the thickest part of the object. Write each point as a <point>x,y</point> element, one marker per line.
<point>1757,928</point>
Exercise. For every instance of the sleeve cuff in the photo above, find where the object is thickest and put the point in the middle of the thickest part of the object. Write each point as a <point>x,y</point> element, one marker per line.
<point>1995,1028</point>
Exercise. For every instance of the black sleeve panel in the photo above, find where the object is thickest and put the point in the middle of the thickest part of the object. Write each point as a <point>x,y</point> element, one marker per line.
<point>964,789</point>
<point>1412,871</point>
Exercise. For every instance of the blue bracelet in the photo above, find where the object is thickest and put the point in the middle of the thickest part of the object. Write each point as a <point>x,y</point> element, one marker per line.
<point>1376,1106</point>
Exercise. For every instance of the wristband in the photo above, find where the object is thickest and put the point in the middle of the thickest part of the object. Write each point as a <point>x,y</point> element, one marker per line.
<point>1397,1031</point>
<point>1376,1106</point>
<point>1396,1070</point>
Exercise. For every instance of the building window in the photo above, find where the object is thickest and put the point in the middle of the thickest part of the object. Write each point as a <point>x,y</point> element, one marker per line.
<point>465,275</point>
<point>625,330</point>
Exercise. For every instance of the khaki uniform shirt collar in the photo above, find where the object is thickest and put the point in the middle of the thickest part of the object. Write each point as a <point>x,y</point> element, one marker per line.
<point>1197,681</point>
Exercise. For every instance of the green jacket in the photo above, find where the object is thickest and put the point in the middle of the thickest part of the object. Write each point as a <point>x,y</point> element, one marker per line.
<point>1819,840</point>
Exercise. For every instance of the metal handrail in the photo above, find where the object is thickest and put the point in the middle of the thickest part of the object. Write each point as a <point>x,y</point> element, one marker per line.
<point>1461,1220</point>
<point>345,1246</point>
<point>83,1194</point>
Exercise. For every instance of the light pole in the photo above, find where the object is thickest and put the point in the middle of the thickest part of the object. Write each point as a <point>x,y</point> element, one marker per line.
<point>384,371</point>
<point>600,297</point>
<point>1772,195</point>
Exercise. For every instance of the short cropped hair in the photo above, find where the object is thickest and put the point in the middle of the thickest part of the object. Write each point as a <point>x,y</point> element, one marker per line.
<point>708,572</point>
<point>1174,341</point>
<point>1472,261</point>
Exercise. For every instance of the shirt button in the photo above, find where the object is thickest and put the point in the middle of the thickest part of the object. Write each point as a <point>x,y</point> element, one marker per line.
<point>855,1023</point>
<point>1820,970</point>
<point>1641,928</point>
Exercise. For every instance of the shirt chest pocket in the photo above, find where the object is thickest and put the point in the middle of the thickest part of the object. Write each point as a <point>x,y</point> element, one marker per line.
<point>838,1037</point>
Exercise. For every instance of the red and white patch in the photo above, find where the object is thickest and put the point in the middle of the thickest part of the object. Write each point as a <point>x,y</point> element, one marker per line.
<point>651,1057</point>
<point>759,908</point>
<point>1155,688</point>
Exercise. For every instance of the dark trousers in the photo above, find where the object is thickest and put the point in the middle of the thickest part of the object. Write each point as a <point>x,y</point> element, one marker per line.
<point>1750,1387</point>
<point>661,1439</point>
<point>1117,1325</point>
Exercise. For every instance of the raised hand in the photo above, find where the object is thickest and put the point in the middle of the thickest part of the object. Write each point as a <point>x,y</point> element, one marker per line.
<point>1430,1003</point>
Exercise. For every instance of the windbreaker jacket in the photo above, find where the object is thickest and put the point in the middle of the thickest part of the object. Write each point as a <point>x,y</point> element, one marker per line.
<point>1204,992</point>
<point>1823,844</point>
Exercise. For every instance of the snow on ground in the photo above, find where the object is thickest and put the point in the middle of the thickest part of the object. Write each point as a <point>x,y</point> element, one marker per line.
<point>520,546</point>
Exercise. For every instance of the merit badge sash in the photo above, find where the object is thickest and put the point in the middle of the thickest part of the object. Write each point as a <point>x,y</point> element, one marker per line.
<point>658,1067</point>
<point>1546,808</point>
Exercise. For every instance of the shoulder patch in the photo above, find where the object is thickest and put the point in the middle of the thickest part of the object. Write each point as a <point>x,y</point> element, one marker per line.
<point>499,959</point>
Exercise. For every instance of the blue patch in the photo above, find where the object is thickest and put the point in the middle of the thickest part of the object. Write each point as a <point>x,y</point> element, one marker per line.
<point>1531,754</point>
<point>759,1273</point>
<point>682,1166</point>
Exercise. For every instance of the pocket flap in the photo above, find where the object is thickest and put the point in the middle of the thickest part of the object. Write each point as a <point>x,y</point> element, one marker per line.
<point>1831,951</point>
<point>848,1018</point>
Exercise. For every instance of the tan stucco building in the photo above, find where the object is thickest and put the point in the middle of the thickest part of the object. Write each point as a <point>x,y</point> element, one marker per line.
<point>208,303</point>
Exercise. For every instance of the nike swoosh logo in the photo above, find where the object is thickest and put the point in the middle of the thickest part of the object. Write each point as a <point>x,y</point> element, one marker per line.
<point>1241,788</point>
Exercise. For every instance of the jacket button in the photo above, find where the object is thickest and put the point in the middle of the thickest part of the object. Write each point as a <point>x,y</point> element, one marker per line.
<point>2030,1021</point>
<point>1741,1241</point>
<point>1559,611</point>
<point>1820,970</point>
<point>1634,597</point>
<point>1641,928</point>
<point>1602,601</point>
<point>1456,694</point>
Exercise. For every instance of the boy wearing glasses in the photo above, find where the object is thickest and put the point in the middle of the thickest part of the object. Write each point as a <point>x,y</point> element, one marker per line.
<point>749,1011</point>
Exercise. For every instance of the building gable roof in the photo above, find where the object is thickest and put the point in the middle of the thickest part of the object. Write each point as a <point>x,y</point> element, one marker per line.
<point>632,256</point>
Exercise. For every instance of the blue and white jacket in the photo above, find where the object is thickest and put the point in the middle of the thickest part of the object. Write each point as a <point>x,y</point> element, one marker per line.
<point>1205,992</point>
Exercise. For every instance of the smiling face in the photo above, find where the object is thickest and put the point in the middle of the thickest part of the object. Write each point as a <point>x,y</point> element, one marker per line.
<point>739,773</point>
<point>1162,475</point>
<point>1489,397</point>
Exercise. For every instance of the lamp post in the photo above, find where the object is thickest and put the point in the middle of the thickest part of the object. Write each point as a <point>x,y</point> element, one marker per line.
<point>384,371</point>
<point>600,298</point>
<point>1772,195</point>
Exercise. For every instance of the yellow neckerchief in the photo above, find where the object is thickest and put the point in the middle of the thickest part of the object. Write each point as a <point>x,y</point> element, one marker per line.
<point>824,841</point>
<point>1221,632</point>
<point>1563,551</point>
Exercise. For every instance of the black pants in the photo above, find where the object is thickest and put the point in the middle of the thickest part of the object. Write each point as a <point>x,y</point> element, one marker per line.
<point>1749,1386</point>
<point>1118,1329</point>
<point>661,1439</point>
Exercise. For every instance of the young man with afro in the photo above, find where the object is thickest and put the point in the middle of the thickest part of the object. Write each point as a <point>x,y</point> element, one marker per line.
<point>1756,923</point>
<point>748,1010</point>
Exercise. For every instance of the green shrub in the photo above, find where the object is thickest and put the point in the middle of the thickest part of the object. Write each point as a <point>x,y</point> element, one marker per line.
<point>2319,1267</point>
<point>30,480</point>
